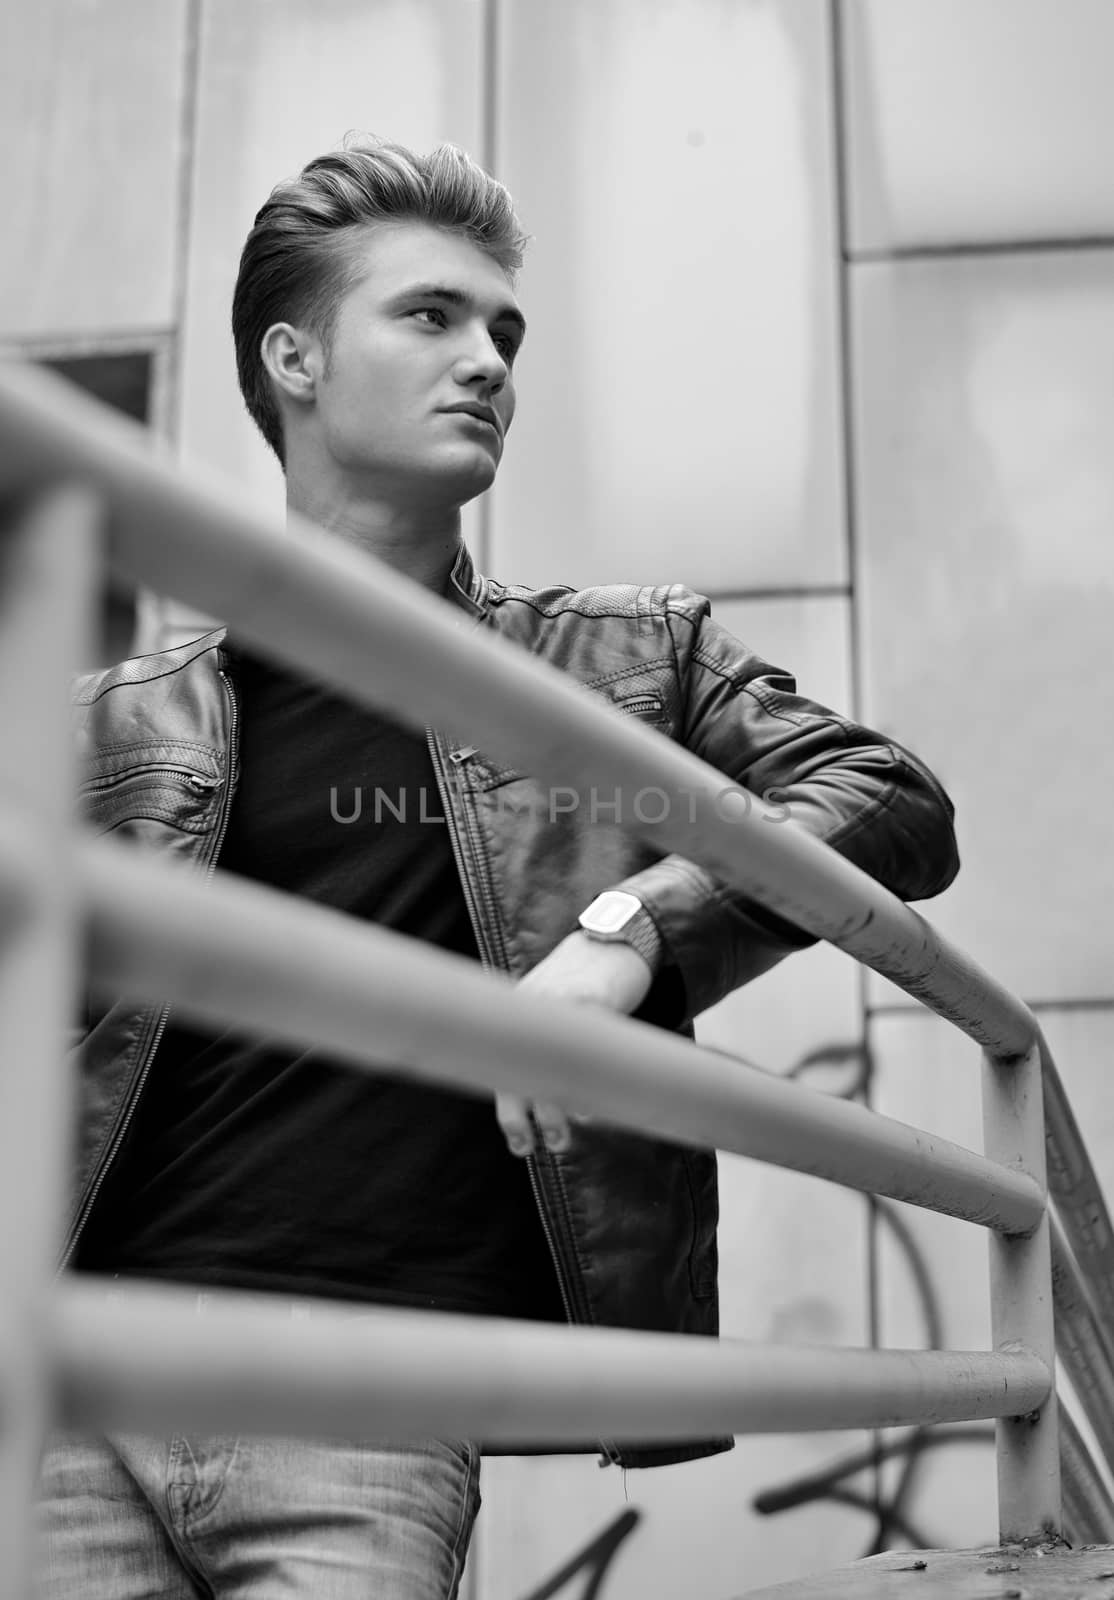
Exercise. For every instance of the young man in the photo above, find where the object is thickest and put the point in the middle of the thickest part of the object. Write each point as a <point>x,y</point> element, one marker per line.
<point>376,331</point>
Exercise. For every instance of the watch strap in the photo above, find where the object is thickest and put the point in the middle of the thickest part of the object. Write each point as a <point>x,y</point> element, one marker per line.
<point>641,933</point>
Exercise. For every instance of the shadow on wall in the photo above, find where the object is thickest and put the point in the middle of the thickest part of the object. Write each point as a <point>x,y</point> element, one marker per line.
<point>593,1562</point>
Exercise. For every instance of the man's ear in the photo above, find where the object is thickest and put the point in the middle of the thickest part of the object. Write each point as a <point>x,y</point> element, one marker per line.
<point>293,359</point>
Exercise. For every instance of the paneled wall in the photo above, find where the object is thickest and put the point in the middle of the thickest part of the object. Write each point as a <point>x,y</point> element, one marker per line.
<point>821,309</point>
<point>93,99</point>
<point>980,255</point>
<point>681,380</point>
<point>278,82</point>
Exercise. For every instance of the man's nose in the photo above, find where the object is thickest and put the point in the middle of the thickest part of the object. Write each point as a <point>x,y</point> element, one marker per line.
<point>482,359</point>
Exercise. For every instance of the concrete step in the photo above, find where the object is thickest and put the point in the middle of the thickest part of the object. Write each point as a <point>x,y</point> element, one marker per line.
<point>1007,1572</point>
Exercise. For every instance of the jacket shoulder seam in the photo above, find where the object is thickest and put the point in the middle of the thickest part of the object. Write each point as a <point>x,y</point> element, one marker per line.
<point>189,746</point>
<point>90,689</point>
<point>637,601</point>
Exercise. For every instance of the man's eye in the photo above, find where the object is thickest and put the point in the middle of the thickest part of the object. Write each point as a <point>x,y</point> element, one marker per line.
<point>432,311</point>
<point>506,346</point>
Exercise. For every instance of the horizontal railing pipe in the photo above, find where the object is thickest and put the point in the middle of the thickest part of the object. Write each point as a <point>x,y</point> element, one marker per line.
<point>314,601</point>
<point>147,1359</point>
<point>233,952</point>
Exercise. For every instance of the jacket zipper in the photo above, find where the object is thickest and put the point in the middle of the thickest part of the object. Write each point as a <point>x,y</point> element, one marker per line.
<point>489,960</point>
<point>638,704</point>
<point>197,781</point>
<point>488,957</point>
<point>163,1016</point>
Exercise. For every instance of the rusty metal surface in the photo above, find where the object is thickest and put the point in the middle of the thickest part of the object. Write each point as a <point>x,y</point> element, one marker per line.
<point>1008,1572</point>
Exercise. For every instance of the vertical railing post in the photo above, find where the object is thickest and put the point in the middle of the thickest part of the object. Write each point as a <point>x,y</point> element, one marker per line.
<point>47,556</point>
<point>1029,1497</point>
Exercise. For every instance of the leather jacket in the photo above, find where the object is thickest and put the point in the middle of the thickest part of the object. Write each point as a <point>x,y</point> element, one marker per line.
<point>631,1220</point>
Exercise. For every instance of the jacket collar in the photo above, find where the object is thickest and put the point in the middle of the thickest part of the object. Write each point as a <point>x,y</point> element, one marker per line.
<point>467,588</point>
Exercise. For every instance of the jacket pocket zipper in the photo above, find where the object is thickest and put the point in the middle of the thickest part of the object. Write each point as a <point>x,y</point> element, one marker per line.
<point>640,705</point>
<point>199,782</point>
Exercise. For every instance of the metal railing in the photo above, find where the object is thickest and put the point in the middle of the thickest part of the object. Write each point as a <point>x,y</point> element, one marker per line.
<point>85,492</point>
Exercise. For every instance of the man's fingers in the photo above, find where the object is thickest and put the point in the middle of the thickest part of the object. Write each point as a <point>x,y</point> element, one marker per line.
<point>554,1125</point>
<point>513,1114</point>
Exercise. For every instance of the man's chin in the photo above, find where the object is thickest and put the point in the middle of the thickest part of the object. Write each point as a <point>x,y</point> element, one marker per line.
<point>463,481</point>
<point>437,480</point>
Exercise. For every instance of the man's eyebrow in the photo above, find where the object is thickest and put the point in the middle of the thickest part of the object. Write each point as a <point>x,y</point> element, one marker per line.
<point>457,297</point>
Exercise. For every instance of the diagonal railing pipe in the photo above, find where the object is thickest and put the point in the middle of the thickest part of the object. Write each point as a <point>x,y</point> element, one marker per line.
<point>230,951</point>
<point>310,599</point>
<point>1088,1503</point>
<point>1084,1343</point>
<point>1076,1191</point>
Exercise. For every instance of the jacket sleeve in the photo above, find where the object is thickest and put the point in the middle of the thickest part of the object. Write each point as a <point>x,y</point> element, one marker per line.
<point>860,792</point>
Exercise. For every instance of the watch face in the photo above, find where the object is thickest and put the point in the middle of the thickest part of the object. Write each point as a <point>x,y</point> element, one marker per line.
<point>611,912</point>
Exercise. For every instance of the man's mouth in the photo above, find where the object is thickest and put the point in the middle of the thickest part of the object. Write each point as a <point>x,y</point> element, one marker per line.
<point>480,413</point>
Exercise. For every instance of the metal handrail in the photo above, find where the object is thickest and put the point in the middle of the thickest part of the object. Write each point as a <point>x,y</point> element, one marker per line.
<point>48,568</point>
<point>1088,1502</point>
<point>308,599</point>
<point>1075,1188</point>
<point>1084,1343</point>
<point>311,601</point>
<point>147,1359</point>
<point>233,952</point>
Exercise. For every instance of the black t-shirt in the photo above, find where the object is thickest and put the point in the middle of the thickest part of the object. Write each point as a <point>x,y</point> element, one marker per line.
<point>255,1165</point>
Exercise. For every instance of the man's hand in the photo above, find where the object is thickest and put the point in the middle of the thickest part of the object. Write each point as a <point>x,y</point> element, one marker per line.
<point>610,975</point>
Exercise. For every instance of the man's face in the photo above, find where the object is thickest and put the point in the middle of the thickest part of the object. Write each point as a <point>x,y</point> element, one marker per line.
<point>421,352</point>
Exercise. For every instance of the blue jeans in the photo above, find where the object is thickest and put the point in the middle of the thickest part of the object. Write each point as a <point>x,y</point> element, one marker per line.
<point>134,1518</point>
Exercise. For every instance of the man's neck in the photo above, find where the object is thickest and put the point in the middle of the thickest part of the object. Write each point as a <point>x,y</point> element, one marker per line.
<point>421,543</point>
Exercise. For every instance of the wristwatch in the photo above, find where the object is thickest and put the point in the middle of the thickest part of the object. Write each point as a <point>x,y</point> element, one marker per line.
<point>619,917</point>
